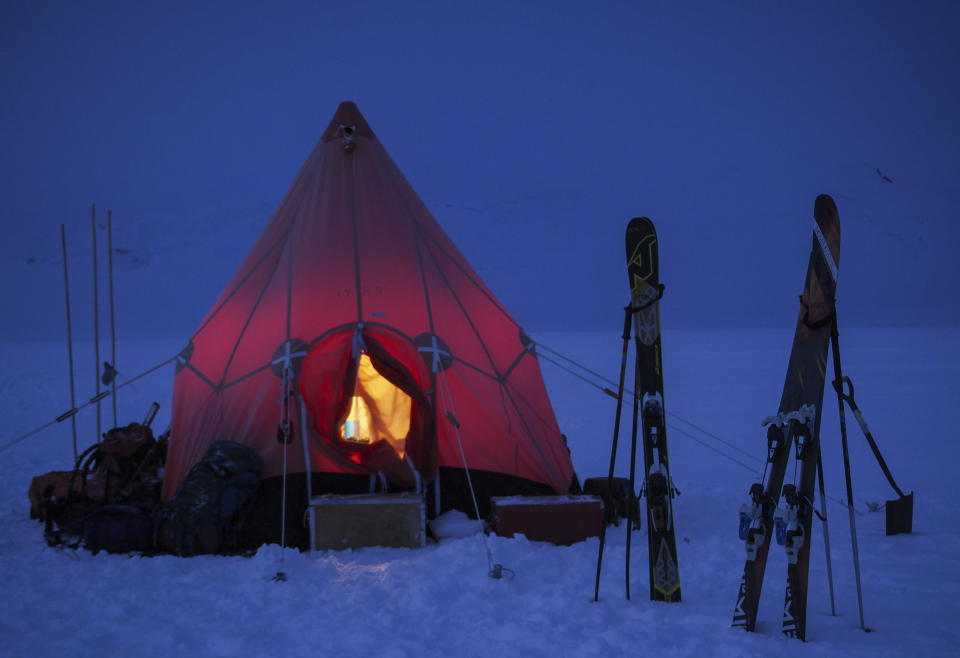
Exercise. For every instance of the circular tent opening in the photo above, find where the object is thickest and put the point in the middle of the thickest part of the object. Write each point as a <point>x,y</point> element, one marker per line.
<point>364,391</point>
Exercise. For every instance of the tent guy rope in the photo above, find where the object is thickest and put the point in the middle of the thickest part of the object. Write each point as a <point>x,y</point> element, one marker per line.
<point>496,570</point>
<point>70,413</point>
<point>753,469</point>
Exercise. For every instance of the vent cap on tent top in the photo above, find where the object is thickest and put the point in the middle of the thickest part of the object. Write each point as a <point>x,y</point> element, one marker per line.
<point>346,134</point>
<point>347,125</point>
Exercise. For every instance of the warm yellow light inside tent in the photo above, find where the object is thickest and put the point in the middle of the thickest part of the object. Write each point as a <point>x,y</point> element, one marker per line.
<point>379,411</point>
<point>358,427</point>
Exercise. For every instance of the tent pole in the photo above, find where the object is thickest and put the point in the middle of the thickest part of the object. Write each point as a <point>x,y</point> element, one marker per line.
<point>96,319</point>
<point>285,433</point>
<point>307,468</point>
<point>66,289</point>
<point>113,330</point>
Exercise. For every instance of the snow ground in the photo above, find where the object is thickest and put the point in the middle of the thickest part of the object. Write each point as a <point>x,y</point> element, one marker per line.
<point>438,600</point>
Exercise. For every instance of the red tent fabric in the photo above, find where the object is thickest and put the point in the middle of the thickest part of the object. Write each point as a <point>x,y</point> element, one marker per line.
<point>352,270</point>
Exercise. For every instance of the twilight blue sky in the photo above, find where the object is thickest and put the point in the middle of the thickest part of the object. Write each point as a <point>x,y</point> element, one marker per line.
<point>533,131</point>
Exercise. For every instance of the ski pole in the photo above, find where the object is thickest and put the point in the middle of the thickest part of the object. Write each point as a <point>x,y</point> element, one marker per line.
<point>900,511</point>
<point>848,398</point>
<point>616,433</point>
<point>826,533</point>
<point>632,498</point>
<point>835,339</point>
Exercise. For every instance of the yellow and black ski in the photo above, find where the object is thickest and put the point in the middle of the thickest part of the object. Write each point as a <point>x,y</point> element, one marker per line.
<point>656,484</point>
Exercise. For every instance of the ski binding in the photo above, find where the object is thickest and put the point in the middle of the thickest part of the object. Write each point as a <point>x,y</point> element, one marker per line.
<point>753,526</point>
<point>789,522</point>
<point>802,415</point>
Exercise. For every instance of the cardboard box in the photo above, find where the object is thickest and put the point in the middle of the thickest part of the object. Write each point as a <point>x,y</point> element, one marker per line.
<point>342,521</point>
<point>561,520</point>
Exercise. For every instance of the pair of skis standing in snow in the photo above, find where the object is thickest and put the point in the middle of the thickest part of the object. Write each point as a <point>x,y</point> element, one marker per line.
<point>795,428</point>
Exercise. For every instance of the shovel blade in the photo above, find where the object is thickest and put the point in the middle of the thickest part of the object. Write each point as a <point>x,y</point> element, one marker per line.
<point>900,515</point>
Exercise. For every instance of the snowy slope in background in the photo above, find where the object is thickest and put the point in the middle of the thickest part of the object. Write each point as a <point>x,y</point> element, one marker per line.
<point>439,600</point>
<point>533,135</point>
<point>739,269</point>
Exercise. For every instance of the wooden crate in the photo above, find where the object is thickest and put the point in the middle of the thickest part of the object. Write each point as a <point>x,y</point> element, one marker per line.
<point>342,521</point>
<point>562,520</point>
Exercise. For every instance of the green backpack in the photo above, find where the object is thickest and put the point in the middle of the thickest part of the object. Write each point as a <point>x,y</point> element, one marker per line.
<point>208,509</point>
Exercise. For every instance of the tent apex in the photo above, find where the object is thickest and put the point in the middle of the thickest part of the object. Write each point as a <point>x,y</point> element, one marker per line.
<point>347,117</point>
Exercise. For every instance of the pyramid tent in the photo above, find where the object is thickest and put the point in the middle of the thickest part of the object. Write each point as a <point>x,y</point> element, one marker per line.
<point>355,322</point>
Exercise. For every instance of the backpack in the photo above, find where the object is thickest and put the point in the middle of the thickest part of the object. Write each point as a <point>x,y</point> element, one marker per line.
<point>81,507</point>
<point>125,454</point>
<point>124,466</point>
<point>118,528</point>
<point>209,507</point>
<point>616,499</point>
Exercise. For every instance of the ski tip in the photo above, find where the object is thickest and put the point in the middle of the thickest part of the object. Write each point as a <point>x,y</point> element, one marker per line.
<point>641,224</point>
<point>641,243</point>
<point>828,219</point>
<point>825,210</point>
<point>824,203</point>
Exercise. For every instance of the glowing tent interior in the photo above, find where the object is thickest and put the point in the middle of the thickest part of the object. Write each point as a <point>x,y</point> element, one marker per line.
<point>357,344</point>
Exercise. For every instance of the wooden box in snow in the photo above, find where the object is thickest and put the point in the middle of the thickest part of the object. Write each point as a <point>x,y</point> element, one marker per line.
<point>354,521</point>
<point>562,520</point>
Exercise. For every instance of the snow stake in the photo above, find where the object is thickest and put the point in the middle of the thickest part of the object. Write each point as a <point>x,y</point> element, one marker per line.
<point>66,289</point>
<point>96,314</point>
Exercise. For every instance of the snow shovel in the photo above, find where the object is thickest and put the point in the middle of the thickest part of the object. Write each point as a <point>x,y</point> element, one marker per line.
<point>899,511</point>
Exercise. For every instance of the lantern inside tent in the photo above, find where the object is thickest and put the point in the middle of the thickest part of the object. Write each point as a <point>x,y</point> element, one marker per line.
<point>378,410</point>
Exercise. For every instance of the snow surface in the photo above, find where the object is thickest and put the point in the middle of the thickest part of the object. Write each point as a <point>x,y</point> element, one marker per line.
<point>439,600</point>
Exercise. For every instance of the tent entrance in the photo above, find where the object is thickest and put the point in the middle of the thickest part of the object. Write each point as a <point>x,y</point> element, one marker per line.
<point>364,391</point>
<point>377,411</point>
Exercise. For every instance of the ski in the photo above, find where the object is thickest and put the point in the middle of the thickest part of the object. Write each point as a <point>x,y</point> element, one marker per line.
<point>795,429</point>
<point>657,485</point>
